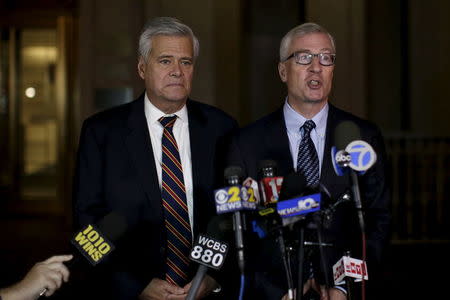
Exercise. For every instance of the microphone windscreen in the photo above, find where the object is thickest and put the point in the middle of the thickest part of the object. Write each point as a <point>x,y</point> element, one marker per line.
<point>267,168</point>
<point>294,185</point>
<point>345,133</point>
<point>113,226</point>
<point>219,227</point>
<point>233,171</point>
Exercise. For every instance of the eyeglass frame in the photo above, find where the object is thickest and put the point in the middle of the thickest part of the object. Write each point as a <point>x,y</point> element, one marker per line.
<point>318,55</point>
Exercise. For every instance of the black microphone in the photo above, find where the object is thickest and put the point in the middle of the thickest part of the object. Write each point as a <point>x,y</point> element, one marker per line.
<point>233,177</point>
<point>297,202</point>
<point>294,188</point>
<point>344,133</point>
<point>270,183</point>
<point>209,251</point>
<point>294,185</point>
<point>358,156</point>
<point>95,242</point>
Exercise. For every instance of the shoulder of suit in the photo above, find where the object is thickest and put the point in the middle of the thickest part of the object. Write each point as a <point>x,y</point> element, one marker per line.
<point>208,112</point>
<point>261,125</point>
<point>342,115</point>
<point>114,116</point>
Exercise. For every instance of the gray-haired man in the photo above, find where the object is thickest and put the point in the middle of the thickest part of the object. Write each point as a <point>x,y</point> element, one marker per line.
<point>155,161</point>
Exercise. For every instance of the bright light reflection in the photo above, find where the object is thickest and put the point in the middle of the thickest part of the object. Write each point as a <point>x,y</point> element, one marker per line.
<point>30,92</point>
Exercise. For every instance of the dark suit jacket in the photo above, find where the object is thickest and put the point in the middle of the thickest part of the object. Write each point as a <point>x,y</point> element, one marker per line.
<point>267,139</point>
<point>116,173</point>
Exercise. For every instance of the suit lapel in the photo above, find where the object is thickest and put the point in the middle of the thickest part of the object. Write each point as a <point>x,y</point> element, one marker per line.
<point>198,134</point>
<point>277,142</point>
<point>137,141</point>
<point>328,176</point>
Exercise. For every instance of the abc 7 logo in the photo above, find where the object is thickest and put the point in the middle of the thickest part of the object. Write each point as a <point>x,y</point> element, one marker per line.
<point>364,157</point>
<point>343,158</point>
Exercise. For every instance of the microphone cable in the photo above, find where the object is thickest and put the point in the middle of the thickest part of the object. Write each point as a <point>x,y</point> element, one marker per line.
<point>241,290</point>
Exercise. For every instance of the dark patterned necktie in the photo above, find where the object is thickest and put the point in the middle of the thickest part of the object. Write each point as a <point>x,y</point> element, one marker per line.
<point>173,194</point>
<point>307,159</point>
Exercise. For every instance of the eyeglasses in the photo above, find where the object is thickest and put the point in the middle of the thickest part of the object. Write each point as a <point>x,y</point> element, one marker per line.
<point>305,58</point>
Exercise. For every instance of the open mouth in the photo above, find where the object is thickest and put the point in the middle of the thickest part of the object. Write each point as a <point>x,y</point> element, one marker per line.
<point>314,84</point>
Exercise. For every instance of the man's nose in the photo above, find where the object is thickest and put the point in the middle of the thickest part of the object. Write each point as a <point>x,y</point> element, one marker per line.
<point>176,70</point>
<point>315,65</point>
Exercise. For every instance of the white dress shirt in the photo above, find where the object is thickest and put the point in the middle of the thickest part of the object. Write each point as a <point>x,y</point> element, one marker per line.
<point>294,121</point>
<point>181,133</point>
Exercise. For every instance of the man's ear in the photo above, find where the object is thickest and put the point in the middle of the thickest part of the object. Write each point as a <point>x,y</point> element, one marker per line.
<point>282,71</point>
<point>141,68</point>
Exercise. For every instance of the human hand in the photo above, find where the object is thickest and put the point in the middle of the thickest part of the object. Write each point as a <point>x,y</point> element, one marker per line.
<point>325,294</point>
<point>306,287</point>
<point>206,287</point>
<point>45,276</point>
<point>159,289</point>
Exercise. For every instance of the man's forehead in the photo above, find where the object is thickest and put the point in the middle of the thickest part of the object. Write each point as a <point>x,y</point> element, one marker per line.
<point>312,41</point>
<point>164,45</point>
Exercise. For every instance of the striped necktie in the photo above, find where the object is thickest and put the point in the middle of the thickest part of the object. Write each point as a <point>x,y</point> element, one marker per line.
<point>173,194</point>
<point>307,159</point>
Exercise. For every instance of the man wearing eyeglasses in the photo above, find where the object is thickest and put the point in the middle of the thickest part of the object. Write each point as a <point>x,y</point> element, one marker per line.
<point>299,137</point>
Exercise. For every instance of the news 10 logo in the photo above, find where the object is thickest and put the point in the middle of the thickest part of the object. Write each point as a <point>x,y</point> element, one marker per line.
<point>92,244</point>
<point>363,157</point>
<point>234,198</point>
<point>299,206</point>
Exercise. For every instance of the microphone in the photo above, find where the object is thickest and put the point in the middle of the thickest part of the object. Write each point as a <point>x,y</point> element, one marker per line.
<point>297,202</point>
<point>252,190</point>
<point>209,251</point>
<point>271,186</point>
<point>358,156</point>
<point>270,183</point>
<point>96,242</point>
<point>350,151</point>
<point>349,267</point>
<point>235,198</point>
<point>294,187</point>
<point>344,133</point>
<point>299,206</point>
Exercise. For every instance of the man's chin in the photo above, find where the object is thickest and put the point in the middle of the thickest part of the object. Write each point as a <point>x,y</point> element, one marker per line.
<point>314,100</point>
<point>177,98</point>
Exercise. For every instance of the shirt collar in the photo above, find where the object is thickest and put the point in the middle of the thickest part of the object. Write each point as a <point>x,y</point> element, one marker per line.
<point>294,120</point>
<point>154,113</point>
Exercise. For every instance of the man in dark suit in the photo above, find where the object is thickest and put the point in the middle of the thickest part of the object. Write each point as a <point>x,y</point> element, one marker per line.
<point>299,137</point>
<point>155,161</point>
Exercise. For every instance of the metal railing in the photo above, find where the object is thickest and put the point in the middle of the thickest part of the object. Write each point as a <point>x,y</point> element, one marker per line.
<point>419,169</point>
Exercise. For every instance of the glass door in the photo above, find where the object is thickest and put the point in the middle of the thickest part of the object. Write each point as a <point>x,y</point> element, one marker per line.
<point>33,127</point>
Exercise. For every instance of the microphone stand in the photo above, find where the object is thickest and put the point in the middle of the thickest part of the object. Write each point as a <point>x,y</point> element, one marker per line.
<point>357,198</point>
<point>286,264</point>
<point>301,259</point>
<point>348,282</point>
<point>358,205</point>
<point>198,278</point>
<point>322,253</point>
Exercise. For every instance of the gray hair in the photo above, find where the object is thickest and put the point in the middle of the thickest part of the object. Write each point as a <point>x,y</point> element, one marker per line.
<point>299,31</point>
<point>164,26</point>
